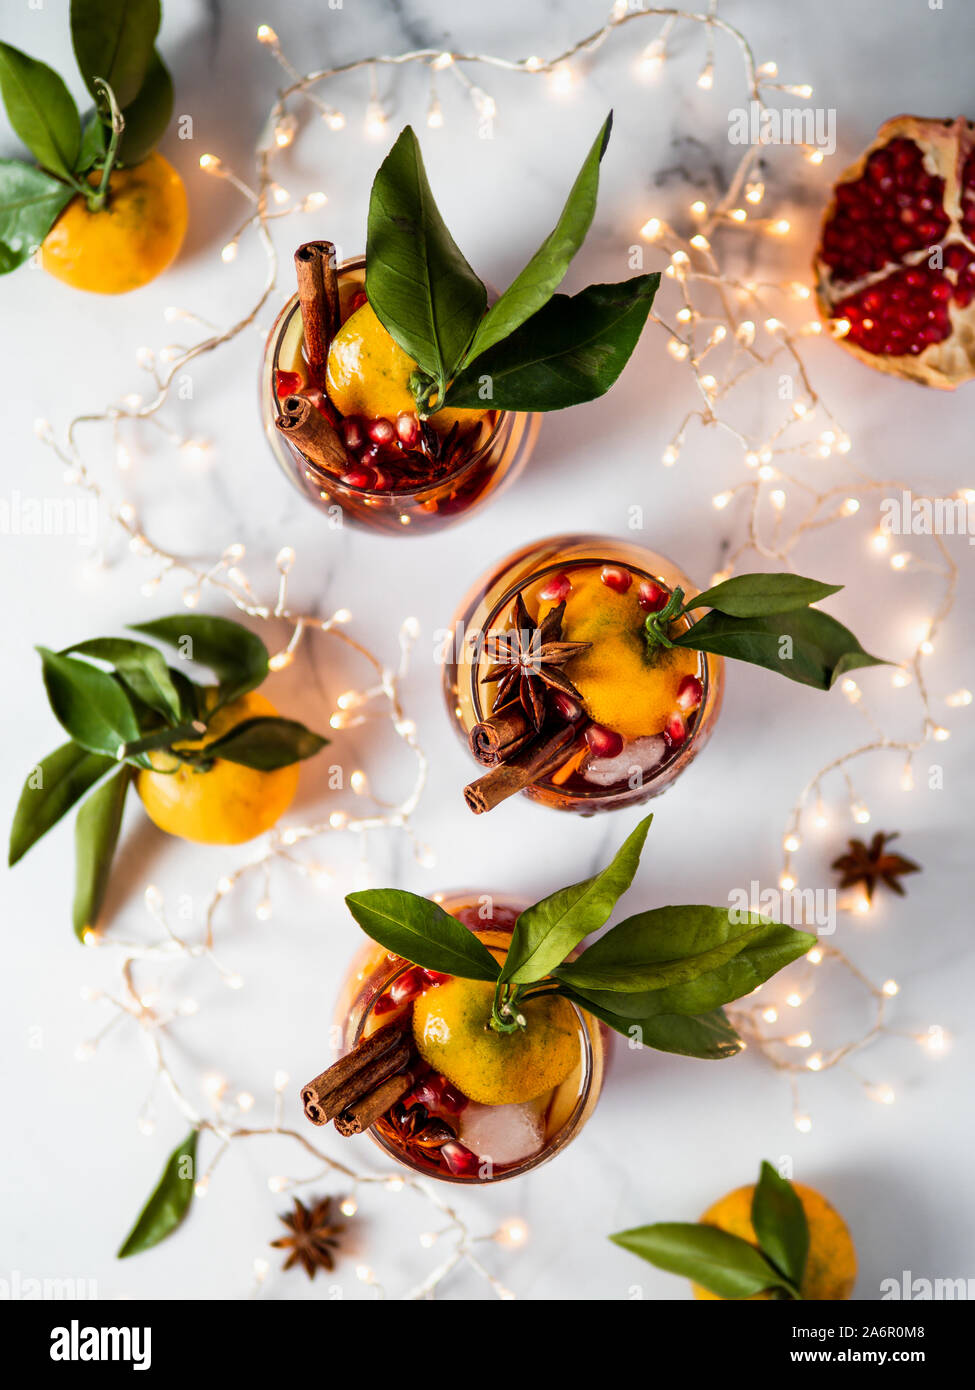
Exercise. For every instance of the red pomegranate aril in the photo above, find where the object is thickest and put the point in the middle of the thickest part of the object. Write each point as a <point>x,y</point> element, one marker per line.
<point>286,383</point>
<point>407,427</point>
<point>566,707</point>
<point>408,985</point>
<point>556,588</point>
<point>360,477</point>
<point>381,431</point>
<point>384,1004</point>
<point>353,433</point>
<point>460,1159</point>
<point>615,578</point>
<point>434,977</point>
<point>651,597</point>
<point>690,693</point>
<point>676,730</point>
<point>603,742</point>
<point>357,301</point>
<point>437,1093</point>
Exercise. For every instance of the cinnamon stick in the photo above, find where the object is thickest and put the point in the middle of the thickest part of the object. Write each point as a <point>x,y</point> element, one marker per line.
<point>500,737</point>
<point>364,1113</point>
<point>310,433</point>
<point>318,295</point>
<point>317,1096</point>
<point>506,779</point>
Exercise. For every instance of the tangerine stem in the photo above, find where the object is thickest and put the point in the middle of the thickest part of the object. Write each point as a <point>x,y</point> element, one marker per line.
<point>96,200</point>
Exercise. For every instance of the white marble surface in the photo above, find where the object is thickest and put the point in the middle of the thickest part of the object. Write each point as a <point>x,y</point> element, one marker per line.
<point>670,1134</point>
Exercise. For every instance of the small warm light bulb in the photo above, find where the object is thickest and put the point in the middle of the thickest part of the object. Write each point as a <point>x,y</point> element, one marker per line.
<point>349,1206</point>
<point>699,208</point>
<point>720,500</point>
<point>890,988</point>
<point>815,1062</point>
<point>850,507</point>
<point>791,843</point>
<point>803,1124</point>
<point>793,1000</point>
<point>265,34</point>
<point>651,229</point>
<point>770,1015</point>
<point>787,883</point>
<point>959,698</point>
<point>435,115</point>
<point>815,956</point>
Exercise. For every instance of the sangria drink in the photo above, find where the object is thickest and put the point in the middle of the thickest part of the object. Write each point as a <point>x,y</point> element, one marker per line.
<point>479,1107</point>
<point>393,472</point>
<point>552,684</point>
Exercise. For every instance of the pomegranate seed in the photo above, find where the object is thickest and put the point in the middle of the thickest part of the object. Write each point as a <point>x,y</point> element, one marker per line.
<point>459,1159</point>
<point>566,707</point>
<point>437,1093</point>
<point>353,433</point>
<point>408,986</point>
<point>690,693</point>
<point>286,383</point>
<point>603,742</point>
<point>651,597</point>
<point>434,977</point>
<point>360,477</point>
<point>556,588</point>
<point>384,1004</point>
<point>676,730</point>
<point>619,580</point>
<point>381,431</point>
<point>407,427</point>
<point>357,301</point>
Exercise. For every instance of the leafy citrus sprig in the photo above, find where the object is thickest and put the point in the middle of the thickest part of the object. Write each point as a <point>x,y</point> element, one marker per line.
<point>765,619</point>
<point>532,349</point>
<point>115,718</point>
<point>660,977</point>
<point>114,45</point>
<point>726,1264</point>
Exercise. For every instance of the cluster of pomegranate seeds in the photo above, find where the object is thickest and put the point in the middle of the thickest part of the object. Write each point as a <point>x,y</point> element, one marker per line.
<point>896,207</point>
<point>893,260</point>
<point>418,1120</point>
<point>902,314</point>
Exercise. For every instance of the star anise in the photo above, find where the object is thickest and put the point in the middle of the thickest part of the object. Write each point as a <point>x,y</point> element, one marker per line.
<point>868,864</point>
<point>313,1237</point>
<point>529,659</point>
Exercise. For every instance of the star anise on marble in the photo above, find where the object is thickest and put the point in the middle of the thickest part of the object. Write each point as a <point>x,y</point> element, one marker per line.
<point>870,864</point>
<point>313,1236</point>
<point>529,658</point>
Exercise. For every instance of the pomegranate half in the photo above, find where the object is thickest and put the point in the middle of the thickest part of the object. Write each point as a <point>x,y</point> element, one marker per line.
<point>895,268</point>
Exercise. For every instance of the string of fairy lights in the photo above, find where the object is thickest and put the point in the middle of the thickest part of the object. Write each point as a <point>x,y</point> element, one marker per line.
<point>726,330</point>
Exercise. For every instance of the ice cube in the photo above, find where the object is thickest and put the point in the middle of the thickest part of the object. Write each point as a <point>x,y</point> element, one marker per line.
<point>639,757</point>
<point>502,1133</point>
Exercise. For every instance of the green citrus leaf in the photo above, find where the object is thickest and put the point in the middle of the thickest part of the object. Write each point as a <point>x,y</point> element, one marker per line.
<point>96,835</point>
<point>168,1204</point>
<point>236,656</point>
<point>571,350</point>
<point>113,40</point>
<point>664,947</point>
<point>94,144</point>
<point>422,932</point>
<point>546,270</point>
<point>418,282</point>
<point>147,117</point>
<point>88,704</point>
<point>141,668</point>
<point>756,595</point>
<point>807,646</point>
<point>30,200</point>
<point>545,933</point>
<point>41,110</point>
<point>709,1037</point>
<point>266,743</point>
<point>780,1224</point>
<point>51,789</point>
<point>723,1263</point>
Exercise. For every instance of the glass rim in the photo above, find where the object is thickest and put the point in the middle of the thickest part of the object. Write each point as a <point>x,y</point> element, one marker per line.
<point>595,793</point>
<point>276,337</point>
<point>548,1149</point>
